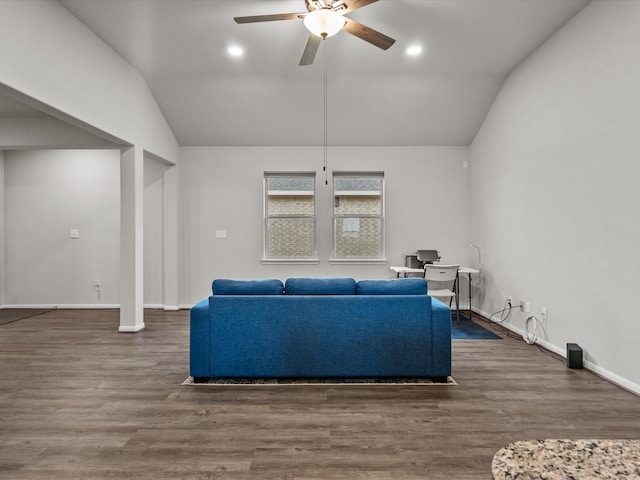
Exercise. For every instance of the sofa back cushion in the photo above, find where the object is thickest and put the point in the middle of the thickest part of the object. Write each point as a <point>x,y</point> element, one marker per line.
<point>399,286</point>
<point>320,286</point>
<point>224,286</point>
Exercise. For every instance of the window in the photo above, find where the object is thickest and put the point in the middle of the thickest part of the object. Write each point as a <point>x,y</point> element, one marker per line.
<point>358,216</point>
<point>290,216</point>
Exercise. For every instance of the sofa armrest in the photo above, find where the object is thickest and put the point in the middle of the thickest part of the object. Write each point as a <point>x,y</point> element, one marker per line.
<point>441,331</point>
<point>199,339</point>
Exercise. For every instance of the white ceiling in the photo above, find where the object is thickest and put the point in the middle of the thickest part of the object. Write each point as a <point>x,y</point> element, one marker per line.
<point>375,97</point>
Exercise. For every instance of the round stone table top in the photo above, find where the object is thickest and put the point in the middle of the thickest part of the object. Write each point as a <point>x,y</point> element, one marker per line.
<point>563,459</point>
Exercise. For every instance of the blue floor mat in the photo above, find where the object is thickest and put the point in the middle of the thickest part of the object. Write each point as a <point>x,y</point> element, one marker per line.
<point>469,330</point>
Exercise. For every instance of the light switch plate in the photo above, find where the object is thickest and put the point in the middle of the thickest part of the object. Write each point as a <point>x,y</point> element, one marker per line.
<point>221,234</point>
<point>75,233</point>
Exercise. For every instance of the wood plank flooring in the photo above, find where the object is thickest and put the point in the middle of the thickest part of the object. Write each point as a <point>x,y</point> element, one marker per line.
<point>80,401</point>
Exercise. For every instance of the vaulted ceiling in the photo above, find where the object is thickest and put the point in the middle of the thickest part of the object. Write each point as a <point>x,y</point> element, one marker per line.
<point>375,97</point>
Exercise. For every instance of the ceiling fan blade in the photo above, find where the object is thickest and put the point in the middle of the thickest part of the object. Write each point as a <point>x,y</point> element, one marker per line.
<point>368,34</point>
<point>310,50</point>
<point>356,4</point>
<point>270,18</point>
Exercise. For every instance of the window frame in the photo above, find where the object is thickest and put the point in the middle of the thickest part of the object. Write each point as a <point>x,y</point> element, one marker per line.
<point>267,216</point>
<point>382,216</point>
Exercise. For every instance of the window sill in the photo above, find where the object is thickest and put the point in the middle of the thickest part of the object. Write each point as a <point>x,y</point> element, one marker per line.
<point>290,261</point>
<point>358,261</point>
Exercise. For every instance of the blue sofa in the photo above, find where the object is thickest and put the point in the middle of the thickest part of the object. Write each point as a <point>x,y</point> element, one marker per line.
<point>321,328</point>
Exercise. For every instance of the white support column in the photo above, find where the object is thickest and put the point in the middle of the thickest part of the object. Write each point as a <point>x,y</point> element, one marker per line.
<point>170,212</point>
<point>131,240</point>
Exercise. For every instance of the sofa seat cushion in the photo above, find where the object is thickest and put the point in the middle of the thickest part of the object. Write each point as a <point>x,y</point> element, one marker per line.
<point>271,286</point>
<point>320,286</point>
<point>398,286</point>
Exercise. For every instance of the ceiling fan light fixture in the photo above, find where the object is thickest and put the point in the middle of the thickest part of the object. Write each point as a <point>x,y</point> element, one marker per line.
<point>324,22</point>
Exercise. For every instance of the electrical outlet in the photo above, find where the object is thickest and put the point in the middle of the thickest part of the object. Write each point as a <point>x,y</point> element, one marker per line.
<point>522,305</point>
<point>98,285</point>
<point>544,313</point>
<point>527,307</point>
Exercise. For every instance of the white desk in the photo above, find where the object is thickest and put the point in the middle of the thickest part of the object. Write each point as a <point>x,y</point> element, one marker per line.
<point>468,271</point>
<point>406,270</point>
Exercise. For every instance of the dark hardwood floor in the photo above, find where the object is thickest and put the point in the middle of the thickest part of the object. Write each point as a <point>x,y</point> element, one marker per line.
<point>80,401</point>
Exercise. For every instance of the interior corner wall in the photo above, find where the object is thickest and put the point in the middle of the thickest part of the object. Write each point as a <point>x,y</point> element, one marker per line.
<point>153,236</point>
<point>221,189</point>
<point>554,182</point>
<point>48,193</point>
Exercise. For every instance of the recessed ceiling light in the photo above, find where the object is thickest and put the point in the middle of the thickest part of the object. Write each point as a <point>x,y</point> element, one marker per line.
<point>414,50</point>
<point>235,51</point>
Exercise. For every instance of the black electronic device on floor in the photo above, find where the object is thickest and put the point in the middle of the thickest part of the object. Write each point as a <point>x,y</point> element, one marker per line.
<point>574,355</point>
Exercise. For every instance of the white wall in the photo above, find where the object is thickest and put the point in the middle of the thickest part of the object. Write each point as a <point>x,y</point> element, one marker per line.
<point>49,56</point>
<point>2,215</point>
<point>48,193</point>
<point>427,206</point>
<point>153,233</point>
<point>54,63</point>
<point>555,193</point>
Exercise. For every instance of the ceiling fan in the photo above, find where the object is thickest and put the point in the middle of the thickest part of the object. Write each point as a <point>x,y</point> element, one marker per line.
<point>325,18</point>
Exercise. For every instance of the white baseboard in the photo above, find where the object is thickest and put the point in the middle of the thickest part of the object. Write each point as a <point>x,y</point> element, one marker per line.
<point>591,366</point>
<point>613,378</point>
<point>89,306</point>
<point>153,305</point>
<point>65,306</point>
<point>131,329</point>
